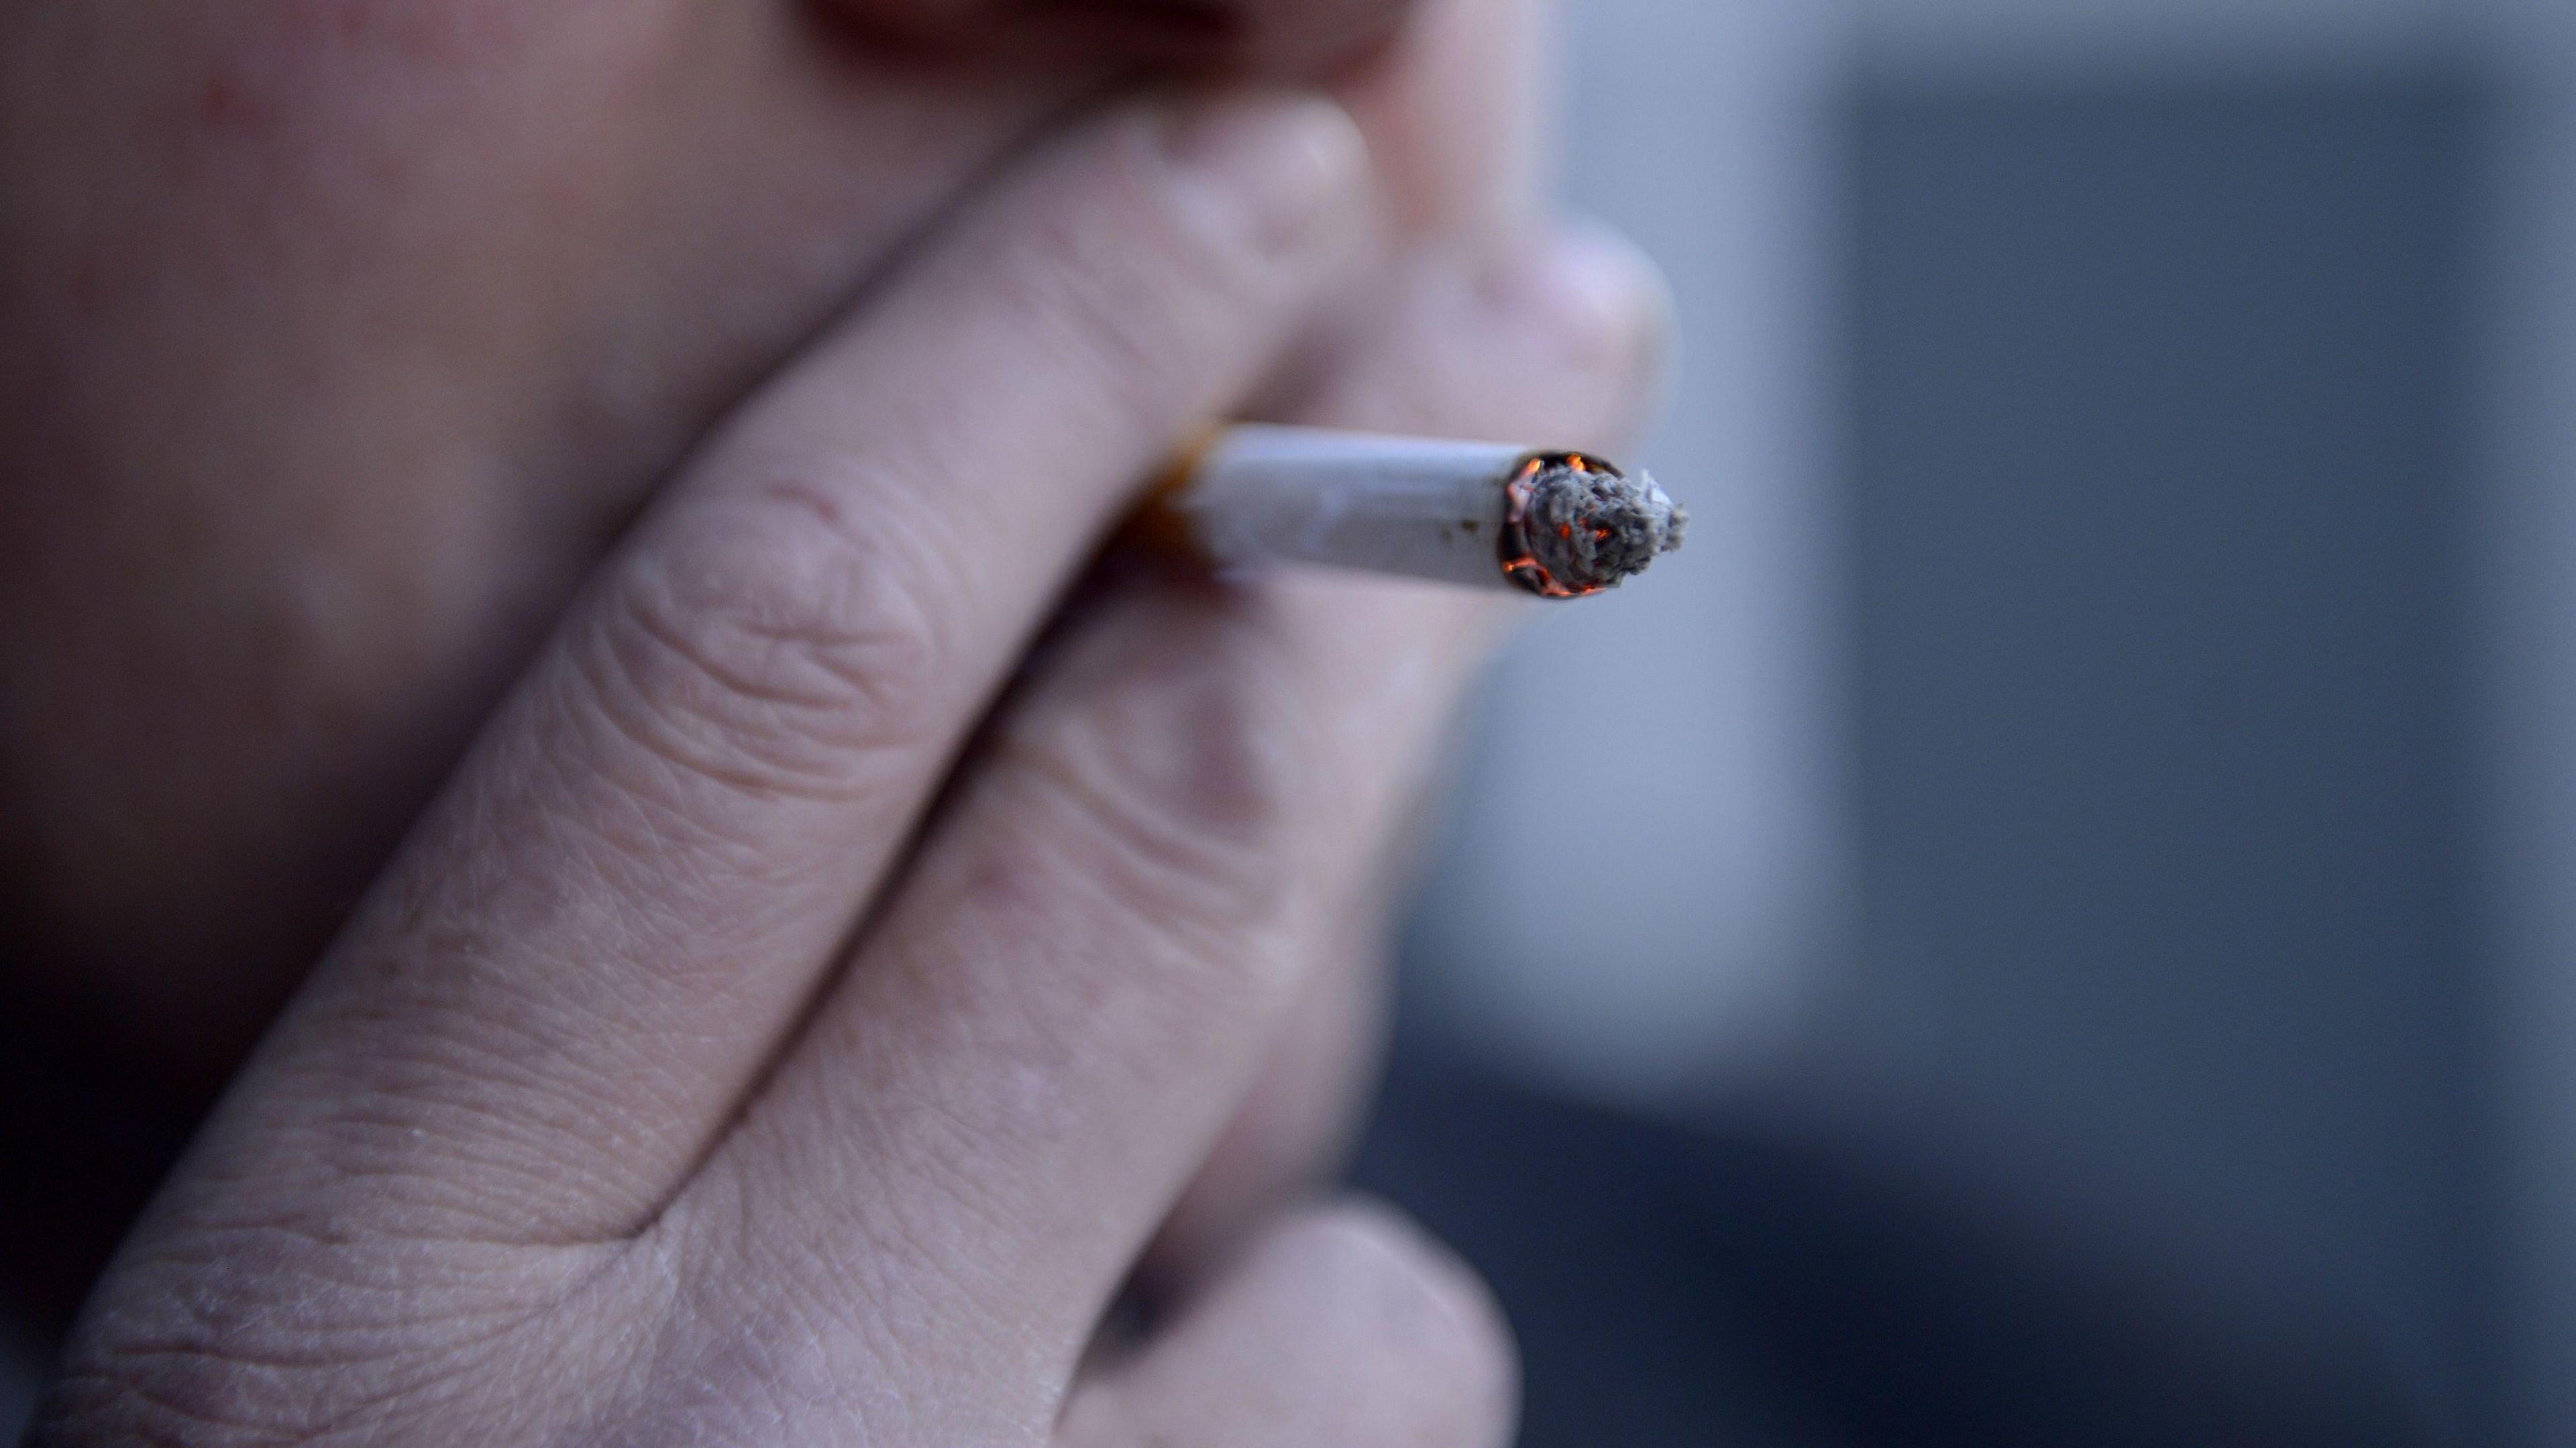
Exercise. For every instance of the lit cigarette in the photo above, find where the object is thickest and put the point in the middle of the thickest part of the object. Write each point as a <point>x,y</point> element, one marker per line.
<point>1488,515</point>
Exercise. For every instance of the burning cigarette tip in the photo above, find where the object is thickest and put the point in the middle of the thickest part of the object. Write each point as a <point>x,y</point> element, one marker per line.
<point>1484,515</point>
<point>1584,526</point>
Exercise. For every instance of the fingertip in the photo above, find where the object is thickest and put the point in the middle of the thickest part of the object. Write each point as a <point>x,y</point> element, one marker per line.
<point>1380,1251</point>
<point>1601,302</point>
<point>1385,1279</point>
<point>1270,163</point>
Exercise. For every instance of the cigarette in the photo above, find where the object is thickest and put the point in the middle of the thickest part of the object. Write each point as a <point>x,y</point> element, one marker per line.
<point>1486,515</point>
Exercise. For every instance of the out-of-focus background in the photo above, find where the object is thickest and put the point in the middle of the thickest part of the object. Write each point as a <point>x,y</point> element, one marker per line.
<point>2094,960</point>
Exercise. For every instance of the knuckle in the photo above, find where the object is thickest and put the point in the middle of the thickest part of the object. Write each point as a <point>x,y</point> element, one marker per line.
<point>1176,775</point>
<point>178,1392</point>
<point>788,1322</point>
<point>773,649</point>
<point>273,1329</point>
<point>1431,1332</point>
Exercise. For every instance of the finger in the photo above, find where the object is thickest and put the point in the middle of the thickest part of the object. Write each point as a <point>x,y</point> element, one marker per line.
<point>1297,1120</point>
<point>1044,1034</point>
<point>594,940</point>
<point>1453,107</point>
<point>1345,1326</point>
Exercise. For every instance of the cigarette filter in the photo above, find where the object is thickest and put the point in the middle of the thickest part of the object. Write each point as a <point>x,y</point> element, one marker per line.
<point>1488,515</point>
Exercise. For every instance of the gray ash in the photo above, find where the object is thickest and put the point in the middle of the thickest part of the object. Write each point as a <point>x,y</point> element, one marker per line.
<point>1591,529</point>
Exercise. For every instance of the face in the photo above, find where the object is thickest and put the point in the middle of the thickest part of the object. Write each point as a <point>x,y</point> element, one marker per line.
<point>337,341</point>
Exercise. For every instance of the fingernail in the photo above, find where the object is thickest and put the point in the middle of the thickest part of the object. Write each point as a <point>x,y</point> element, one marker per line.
<point>1269,166</point>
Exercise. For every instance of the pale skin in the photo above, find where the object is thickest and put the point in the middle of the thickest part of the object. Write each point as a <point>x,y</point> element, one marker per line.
<point>781,1027</point>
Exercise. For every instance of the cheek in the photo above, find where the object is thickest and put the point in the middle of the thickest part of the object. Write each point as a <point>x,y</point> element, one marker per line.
<point>343,334</point>
<point>271,176</point>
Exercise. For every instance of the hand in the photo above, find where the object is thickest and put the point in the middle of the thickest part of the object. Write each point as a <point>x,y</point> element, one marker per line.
<point>692,1076</point>
<point>338,338</point>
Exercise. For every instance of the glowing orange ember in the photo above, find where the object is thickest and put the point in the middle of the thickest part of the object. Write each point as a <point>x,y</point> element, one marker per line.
<point>1519,564</point>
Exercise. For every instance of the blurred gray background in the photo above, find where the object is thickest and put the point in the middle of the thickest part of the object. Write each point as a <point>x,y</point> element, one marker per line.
<point>2124,742</point>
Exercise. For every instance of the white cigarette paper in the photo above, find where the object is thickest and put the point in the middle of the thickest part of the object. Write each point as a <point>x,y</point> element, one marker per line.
<point>1487,515</point>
